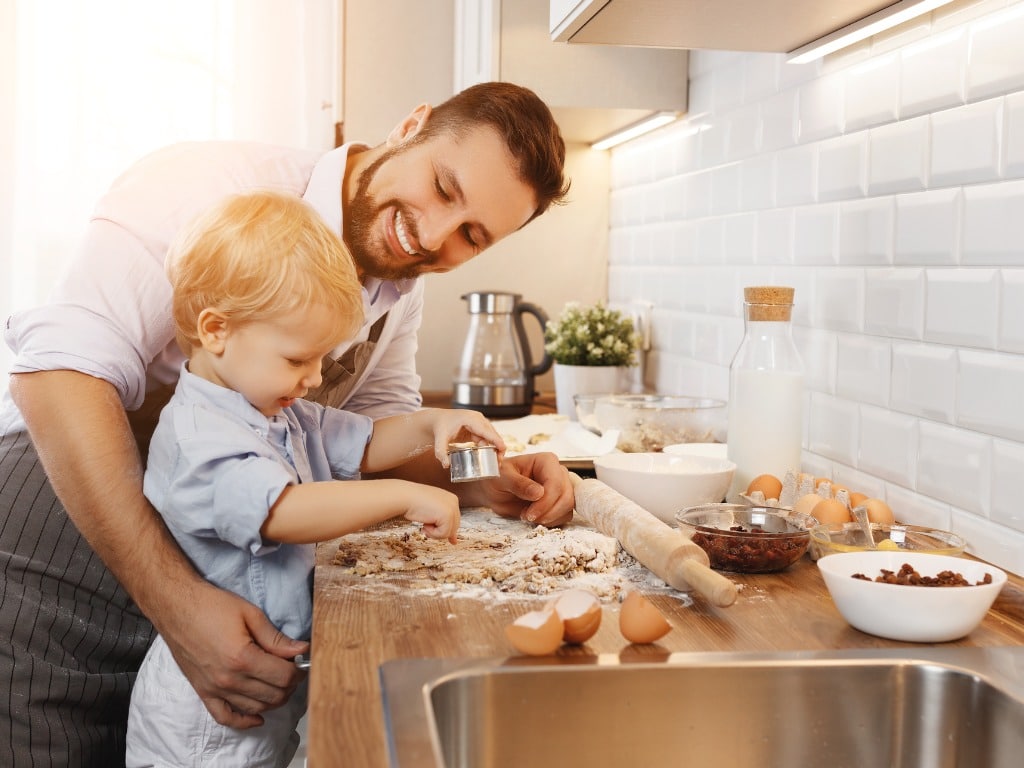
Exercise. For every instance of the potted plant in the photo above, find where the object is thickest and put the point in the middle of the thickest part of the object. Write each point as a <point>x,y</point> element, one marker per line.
<point>592,349</point>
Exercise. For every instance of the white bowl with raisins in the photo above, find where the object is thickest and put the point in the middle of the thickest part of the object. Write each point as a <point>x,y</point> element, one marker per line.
<point>911,596</point>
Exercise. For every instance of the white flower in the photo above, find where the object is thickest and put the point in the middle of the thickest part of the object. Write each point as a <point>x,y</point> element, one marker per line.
<point>591,336</point>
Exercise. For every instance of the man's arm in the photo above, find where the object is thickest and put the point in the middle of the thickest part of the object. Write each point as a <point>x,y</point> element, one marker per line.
<point>236,660</point>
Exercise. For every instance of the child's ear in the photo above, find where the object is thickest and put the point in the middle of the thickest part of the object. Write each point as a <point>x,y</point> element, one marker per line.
<point>212,330</point>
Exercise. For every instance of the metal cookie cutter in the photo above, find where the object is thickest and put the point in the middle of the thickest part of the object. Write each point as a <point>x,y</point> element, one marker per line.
<point>472,462</point>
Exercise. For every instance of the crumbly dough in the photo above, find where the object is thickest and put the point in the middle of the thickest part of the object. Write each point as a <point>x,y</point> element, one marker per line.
<point>494,556</point>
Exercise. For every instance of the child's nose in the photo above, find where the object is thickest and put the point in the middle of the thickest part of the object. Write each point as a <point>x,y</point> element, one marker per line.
<point>313,377</point>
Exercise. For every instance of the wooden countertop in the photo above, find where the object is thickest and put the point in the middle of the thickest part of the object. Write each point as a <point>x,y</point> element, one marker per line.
<point>355,630</point>
<point>544,402</point>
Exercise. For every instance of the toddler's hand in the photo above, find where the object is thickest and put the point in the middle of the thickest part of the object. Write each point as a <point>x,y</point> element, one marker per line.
<point>438,510</point>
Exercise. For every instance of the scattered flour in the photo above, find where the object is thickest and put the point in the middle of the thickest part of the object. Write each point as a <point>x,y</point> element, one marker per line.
<point>495,558</point>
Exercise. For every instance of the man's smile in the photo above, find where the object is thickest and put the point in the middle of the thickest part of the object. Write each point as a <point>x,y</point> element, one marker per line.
<point>402,233</point>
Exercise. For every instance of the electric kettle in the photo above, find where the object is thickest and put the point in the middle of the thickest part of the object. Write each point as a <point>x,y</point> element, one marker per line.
<point>495,374</point>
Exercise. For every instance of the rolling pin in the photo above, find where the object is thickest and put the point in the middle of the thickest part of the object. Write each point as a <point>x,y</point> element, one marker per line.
<point>669,554</point>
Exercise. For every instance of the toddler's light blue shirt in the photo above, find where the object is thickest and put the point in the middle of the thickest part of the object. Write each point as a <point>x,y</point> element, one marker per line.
<point>216,466</point>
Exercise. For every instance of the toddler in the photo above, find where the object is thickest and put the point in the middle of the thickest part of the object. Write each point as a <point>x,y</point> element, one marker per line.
<point>247,475</point>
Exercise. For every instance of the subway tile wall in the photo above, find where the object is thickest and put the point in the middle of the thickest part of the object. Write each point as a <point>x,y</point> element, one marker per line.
<point>886,184</point>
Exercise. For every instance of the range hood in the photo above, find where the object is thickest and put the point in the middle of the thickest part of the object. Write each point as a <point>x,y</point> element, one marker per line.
<point>729,25</point>
<point>592,90</point>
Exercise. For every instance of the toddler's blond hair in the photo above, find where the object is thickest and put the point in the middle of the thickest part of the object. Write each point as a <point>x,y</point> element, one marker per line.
<point>257,256</point>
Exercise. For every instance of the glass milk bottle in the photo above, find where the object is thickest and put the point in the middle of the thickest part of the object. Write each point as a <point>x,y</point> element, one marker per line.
<point>766,381</point>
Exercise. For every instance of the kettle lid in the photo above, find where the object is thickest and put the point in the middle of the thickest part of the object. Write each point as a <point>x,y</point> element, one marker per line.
<point>491,302</point>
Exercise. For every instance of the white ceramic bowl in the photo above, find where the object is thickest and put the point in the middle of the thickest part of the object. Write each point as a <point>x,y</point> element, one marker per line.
<point>714,450</point>
<point>914,614</point>
<point>664,484</point>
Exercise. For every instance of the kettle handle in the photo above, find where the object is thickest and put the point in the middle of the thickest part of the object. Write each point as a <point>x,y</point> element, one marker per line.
<point>525,307</point>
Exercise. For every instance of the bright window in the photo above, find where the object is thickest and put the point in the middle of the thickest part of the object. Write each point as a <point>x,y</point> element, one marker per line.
<point>89,87</point>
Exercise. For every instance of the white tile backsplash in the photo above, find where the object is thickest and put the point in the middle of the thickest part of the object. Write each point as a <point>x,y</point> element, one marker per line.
<point>872,92</point>
<point>796,175</point>
<point>924,381</point>
<point>932,73</point>
<point>757,182</point>
<point>886,184</point>
<point>899,157</point>
<point>894,302</point>
<point>1013,136</point>
<point>774,236</point>
<point>1007,471</point>
<point>1011,311</point>
<point>842,167</point>
<point>863,369</point>
<point>990,393</point>
<point>820,108</point>
<point>838,300</point>
<point>866,231</point>
<point>814,234</point>
<point>834,432</point>
<point>965,143</point>
<point>888,446</point>
<point>996,63</point>
<point>962,306</point>
<point>993,224</point>
<point>744,138</point>
<point>952,466</point>
<point>927,227</point>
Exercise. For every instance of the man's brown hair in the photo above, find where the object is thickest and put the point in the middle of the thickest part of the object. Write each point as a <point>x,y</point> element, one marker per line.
<point>526,125</point>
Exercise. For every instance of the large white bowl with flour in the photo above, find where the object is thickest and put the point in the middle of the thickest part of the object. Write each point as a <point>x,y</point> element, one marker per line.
<point>662,483</point>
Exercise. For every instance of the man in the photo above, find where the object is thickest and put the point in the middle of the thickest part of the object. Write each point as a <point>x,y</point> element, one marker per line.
<point>86,562</point>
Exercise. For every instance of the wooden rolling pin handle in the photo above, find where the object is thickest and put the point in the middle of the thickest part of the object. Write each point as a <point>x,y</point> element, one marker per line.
<point>714,586</point>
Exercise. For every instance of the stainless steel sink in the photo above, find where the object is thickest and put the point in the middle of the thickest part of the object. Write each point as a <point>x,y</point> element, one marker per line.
<point>921,708</point>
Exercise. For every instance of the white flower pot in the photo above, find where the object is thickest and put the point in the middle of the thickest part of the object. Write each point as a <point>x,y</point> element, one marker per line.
<point>586,380</point>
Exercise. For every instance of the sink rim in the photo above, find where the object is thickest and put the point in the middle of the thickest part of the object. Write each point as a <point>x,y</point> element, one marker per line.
<point>407,683</point>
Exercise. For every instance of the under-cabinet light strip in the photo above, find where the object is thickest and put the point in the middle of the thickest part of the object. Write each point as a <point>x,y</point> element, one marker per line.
<point>639,128</point>
<point>859,30</point>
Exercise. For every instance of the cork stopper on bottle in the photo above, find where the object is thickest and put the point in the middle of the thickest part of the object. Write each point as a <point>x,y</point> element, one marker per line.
<point>768,302</point>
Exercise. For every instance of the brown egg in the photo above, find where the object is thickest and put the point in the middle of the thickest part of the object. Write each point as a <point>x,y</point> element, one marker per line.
<point>640,621</point>
<point>819,480</point>
<point>879,512</point>
<point>857,498</point>
<point>805,504</point>
<point>536,633</point>
<point>769,485</point>
<point>580,612</point>
<point>836,488</point>
<point>831,511</point>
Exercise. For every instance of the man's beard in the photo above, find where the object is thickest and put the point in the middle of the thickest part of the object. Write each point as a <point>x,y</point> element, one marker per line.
<point>372,256</point>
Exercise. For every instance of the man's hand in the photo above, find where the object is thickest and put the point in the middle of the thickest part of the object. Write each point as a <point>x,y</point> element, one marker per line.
<point>534,487</point>
<point>238,662</point>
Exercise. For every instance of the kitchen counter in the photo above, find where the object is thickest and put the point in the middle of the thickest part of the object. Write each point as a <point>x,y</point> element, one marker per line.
<point>355,630</point>
<point>544,402</point>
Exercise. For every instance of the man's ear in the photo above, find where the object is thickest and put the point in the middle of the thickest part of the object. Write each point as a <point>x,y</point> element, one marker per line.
<point>212,330</point>
<point>410,125</point>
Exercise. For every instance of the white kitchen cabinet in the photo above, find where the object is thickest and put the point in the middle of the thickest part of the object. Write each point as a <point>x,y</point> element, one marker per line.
<point>731,25</point>
<point>592,90</point>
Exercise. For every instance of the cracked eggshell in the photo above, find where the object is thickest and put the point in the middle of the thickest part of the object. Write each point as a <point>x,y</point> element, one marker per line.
<point>537,633</point>
<point>640,621</point>
<point>580,612</point>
